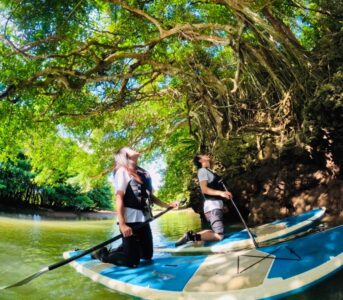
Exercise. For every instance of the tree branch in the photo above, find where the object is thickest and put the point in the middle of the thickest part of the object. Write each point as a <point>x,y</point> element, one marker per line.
<point>140,13</point>
<point>323,12</point>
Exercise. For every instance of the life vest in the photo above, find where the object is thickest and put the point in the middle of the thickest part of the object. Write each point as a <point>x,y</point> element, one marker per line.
<point>137,194</point>
<point>215,185</point>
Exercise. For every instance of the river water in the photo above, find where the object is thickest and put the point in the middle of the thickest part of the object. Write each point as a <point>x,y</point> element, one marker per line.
<point>28,244</point>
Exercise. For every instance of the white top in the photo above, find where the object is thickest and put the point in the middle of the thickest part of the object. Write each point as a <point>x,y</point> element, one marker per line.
<point>120,182</point>
<point>206,175</point>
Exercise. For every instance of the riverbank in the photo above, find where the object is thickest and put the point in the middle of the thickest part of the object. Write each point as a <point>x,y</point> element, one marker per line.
<point>46,213</point>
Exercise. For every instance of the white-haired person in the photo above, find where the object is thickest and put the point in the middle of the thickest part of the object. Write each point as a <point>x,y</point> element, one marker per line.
<point>134,194</point>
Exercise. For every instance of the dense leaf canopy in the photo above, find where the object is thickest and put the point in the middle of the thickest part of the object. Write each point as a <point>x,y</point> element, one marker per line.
<point>241,79</point>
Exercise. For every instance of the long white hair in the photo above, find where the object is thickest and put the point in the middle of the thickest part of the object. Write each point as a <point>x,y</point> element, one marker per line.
<point>122,159</point>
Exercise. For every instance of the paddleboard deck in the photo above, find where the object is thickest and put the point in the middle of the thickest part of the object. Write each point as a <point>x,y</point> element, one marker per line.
<point>240,240</point>
<point>269,272</point>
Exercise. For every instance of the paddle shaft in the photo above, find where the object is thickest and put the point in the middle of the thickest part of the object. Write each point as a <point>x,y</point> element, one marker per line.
<point>98,246</point>
<point>83,253</point>
<point>241,217</point>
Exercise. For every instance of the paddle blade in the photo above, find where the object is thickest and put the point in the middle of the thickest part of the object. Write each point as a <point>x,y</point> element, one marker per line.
<point>27,279</point>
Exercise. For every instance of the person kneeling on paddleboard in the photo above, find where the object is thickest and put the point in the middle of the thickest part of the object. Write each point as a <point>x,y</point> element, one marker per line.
<point>134,194</point>
<point>214,193</point>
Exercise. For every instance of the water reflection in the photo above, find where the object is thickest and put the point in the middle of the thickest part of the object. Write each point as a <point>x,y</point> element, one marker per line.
<point>37,218</point>
<point>175,224</point>
<point>66,216</point>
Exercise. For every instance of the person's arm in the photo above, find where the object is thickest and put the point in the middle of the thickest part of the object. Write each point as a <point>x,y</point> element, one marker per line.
<point>124,229</point>
<point>161,203</point>
<point>154,199</point>
<point>208,191</point>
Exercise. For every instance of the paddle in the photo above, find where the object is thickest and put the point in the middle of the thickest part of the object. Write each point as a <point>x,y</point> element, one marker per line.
<point>85,252</point>
<point>245,225</point>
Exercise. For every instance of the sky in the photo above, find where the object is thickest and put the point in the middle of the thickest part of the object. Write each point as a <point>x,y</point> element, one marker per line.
<point>155,169</point>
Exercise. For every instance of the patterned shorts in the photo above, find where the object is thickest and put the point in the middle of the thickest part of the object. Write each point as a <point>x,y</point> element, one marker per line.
<point>215,217</point>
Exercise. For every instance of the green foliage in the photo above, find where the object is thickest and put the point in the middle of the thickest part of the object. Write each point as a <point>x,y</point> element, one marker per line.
<point>17,188</point>
<point>178,152</point>
<point>323,127</point>
<point>238,153</point>
<point>101,197</point>
<point>80,79</point>
<point>15,179</point>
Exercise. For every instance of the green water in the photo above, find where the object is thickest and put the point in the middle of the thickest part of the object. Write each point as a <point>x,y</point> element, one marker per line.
<point>27,245</point>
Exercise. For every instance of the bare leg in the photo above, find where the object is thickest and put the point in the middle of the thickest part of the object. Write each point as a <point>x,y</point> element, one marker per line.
<point>210,235</point>
<point>199,238</point>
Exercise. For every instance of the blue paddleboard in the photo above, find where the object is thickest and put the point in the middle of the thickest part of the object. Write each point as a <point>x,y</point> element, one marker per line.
<point>270,272</point>
<point>241,240</point>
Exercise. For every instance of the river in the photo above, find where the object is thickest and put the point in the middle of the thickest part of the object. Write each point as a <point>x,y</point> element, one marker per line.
<point>28,244</point>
